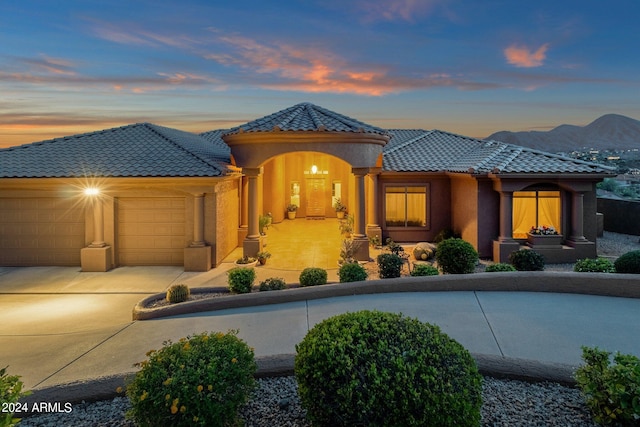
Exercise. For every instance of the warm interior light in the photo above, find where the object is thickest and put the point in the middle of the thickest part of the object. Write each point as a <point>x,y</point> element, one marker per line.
<point>92,191</point>
<point>314,169</point>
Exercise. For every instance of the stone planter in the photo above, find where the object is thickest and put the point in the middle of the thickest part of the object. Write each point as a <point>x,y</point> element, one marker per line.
<point>291,214</point>
<point>544,240</point>
<point>248,265</point>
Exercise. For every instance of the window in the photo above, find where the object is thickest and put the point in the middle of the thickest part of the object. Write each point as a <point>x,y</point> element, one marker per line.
<point>406,206</point>
<point>535,209</point>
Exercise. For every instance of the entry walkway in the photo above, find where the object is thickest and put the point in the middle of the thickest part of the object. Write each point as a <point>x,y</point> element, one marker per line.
<point>59,325</point>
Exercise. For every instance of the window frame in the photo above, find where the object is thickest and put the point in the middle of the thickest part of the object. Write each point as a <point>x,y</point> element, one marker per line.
<point>537,190</point>
<point>406,185</point>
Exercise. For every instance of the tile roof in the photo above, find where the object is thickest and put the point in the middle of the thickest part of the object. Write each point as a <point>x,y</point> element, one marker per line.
<point>416,150</point>
<point>306,117</point>
<point>136,150</point>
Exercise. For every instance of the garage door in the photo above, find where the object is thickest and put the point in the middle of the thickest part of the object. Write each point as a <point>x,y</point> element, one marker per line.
<point>151,231</point>
<point>40,231</point>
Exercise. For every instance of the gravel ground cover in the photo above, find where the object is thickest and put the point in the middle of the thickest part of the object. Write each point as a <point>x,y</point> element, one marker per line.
<point>275,403</point>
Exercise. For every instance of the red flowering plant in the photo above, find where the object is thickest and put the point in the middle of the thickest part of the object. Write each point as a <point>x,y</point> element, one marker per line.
<point>544,230</point>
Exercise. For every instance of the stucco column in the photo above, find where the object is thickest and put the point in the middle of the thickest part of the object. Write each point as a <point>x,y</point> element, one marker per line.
<point>98,224</point>
<point>198,221</point>
<point>373,227</point>
<point>251,244</point>
<point>506,216</point>
<point>359,216</point>
<point>577,217</point>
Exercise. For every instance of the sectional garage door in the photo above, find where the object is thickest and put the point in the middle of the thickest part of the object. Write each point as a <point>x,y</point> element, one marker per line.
<point>151,231</point>
<point>40,231</point>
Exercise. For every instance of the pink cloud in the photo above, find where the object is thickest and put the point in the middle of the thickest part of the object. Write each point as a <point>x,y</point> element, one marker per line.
<point>525,58</point>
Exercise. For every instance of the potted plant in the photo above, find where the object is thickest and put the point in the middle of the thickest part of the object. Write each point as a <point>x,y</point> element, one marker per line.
<point>340,208</point>
<point>291,211</point>
<point>545,235</point>
<point>262,257</point>
<point>246,261</point>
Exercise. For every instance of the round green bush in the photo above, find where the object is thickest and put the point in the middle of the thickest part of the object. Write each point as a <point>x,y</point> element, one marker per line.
<point>372,368</point>
<point>313,276</point>
<point>201,380</point>
<point>241,279</point>
<point>598,265</point>
<point>273,284</point>
<point>389,265</point>
<point>456,256</point>
<point>352,272</point>
<point>499,267</point>
<point>424,270</point>
<point>527,260</point>
<point>628,263</point>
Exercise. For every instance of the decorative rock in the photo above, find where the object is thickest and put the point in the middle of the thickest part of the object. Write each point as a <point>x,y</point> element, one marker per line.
<point>424,251</point>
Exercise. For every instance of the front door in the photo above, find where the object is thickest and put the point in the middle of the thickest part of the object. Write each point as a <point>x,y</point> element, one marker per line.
<point>315,197</point>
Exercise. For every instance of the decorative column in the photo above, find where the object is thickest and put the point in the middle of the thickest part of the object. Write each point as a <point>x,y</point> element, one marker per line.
<point>577,217</point>
<point>252,243</point>
<point>197,256</point>
<point>373,226</point>
<point>505,243</point>
<point>97,256</point>
<point>244,208</point>
<point>359,215</point>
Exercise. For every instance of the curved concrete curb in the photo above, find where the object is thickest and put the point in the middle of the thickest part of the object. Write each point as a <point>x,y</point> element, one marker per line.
<point>604,284</point>
<point>282,365</point>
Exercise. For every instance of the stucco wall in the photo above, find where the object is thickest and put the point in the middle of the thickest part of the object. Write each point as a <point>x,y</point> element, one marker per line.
<point>620,216</point>
<point>488,217</point>
<point>464,207</point>
<point>225,208</point>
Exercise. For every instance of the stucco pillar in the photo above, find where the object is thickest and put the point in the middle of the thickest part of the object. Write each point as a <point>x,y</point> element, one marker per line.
<point>197,257</point>
<point>198,221</point>
<point>577,217</point>
<point>97,256</point>
<point>359,216</point>
<point>373,226</point>
<point>244,209</point>
<point>505,243</point>
<point>252,243</point>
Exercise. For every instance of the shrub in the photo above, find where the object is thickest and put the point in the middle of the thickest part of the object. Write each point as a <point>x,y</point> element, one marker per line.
<point>10,393</point>
<point>628,263</point>
<point>456,256</point>
<point>598,265</point>
<point>177,293</point>
<point>371,368</point>
<point>527,260</point>
<point>313,276</point>
<point>348,251</point>
<point>612,392</point>
<point>273,284</point>
<point>352,272</point>
<point>394,247</point>
<point>424,270</point>
<point>444,234</point>
<point>389,265</point>
<point>241,279</point>
<point>199,380</point>
<point>499,267</point>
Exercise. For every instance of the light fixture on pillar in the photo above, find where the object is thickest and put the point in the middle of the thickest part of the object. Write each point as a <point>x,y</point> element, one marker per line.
<point>98,217</point>
<point>314,169</point>
<point>91,191</point>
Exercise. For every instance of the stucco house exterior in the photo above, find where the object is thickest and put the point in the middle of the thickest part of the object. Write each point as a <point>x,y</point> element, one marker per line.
<point>144,194</point>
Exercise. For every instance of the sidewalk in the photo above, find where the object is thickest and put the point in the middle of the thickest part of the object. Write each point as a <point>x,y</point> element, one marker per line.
<point>58,325</point>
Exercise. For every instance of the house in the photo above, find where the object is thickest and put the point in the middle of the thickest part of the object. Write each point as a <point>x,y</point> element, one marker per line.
<point>144,194</point>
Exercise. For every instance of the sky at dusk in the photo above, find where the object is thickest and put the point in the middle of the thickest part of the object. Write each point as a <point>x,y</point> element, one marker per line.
<point>464,66</point>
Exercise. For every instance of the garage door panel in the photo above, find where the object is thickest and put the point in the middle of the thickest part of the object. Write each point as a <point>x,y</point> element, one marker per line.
<point>151,231</point>
<point>41,231</point>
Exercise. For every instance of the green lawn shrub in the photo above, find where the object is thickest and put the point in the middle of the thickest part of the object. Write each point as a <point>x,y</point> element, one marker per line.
<point>424,270</point>
<point>456,256</point>
<point>352,272</point>
<point>371,368</point>
<point>313,276</point>
<point>10,394</point>
<point>201,380</point>
<point>527,260</point>
<point>177,293</point>
<point>272,284</point>
<point>591,265</point>
<point>389,265</point>
<point>499,267</point>
<point>628,263</point>
<point>241,279</point>
<point>612,392</point>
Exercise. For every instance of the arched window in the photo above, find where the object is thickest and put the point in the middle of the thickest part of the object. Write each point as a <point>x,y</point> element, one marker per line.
<point>535,208</point>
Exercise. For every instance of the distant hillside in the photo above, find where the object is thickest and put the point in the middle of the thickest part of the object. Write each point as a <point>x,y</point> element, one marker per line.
<point>609,132</point>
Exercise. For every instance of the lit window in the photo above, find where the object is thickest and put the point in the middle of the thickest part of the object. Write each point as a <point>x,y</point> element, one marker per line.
<point>535,209</point>
<point>406,206</point>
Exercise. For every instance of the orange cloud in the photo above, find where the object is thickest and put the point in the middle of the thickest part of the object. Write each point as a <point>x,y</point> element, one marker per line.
<point>524,57</point>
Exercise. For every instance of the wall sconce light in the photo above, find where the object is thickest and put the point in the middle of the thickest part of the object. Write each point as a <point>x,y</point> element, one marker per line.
<point>314,169</point>
<point>91,191</point>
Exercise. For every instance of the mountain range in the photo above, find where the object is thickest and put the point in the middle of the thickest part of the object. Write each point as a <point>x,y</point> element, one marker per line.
<point>609,132</point>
